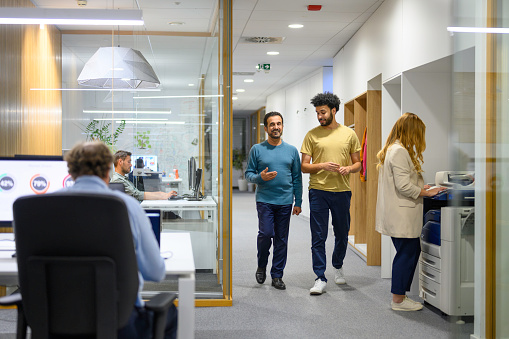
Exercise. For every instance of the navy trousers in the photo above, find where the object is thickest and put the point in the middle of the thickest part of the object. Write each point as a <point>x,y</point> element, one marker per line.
<point>320,203</point>
<point>273,223</point>
<point>140,324</point>
<point>408,251</point>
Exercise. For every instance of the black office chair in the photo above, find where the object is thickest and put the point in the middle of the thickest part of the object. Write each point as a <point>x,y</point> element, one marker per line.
<point>77,267</point>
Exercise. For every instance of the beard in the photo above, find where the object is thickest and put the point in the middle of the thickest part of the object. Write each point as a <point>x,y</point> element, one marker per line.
<point>276,134</point>
<point>326,122</point>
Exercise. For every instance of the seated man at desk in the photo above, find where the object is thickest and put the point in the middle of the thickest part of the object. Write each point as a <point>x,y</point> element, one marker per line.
<point>89,165</point>
<point>122,163</point>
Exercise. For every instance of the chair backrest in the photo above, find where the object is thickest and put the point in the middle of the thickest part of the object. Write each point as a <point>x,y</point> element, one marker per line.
<point>76,263</point>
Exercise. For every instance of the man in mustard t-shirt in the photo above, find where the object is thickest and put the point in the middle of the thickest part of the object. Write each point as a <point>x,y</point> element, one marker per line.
<point>334,151</point>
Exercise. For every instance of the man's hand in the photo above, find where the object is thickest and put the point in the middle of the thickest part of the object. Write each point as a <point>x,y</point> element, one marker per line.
<point>345,170</point>
<point>296,210</point>
<point>330,166</point>
<point>266,176</point>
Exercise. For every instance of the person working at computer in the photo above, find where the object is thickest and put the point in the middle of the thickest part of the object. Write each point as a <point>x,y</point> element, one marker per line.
<point>399,202</point>
<point>89,165</point>
<point>274,166</point>
<point>122,163</point>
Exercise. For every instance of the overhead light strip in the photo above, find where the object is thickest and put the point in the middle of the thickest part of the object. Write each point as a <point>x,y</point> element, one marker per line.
<point>59,16</point>
<point>128,120</point>
<point>500,30</point>
<point>100,89</point>
<point>115,112</point>
<point>153,122</point>
<point>180,96</point>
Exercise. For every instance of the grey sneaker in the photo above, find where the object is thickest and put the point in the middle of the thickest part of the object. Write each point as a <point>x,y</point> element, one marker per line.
<point>319,287</point>
<point>339,276</point>
<point>406,305</point>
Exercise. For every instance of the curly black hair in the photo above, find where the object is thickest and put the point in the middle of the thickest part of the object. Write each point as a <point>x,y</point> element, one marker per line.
<point>89,158</point>
<point>327,98</point>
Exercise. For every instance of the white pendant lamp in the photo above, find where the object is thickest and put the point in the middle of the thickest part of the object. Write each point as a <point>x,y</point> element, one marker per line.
<point>118,68</point>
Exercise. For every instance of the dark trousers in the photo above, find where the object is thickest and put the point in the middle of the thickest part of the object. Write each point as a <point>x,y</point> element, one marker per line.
<point>273,223</point>
<point>140,322</point>
<point>408,251</point>
<point>320,203</point>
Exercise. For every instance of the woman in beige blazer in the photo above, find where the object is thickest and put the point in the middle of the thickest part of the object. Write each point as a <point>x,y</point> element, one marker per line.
<point>399,204</point>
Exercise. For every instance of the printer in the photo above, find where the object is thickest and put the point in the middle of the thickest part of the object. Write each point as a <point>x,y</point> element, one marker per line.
<point>446,266</point>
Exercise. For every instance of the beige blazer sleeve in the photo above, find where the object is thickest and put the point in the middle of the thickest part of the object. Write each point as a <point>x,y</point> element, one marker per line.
<point>399,207</point>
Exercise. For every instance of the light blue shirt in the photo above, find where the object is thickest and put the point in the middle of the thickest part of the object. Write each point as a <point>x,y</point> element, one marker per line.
<point>284,159</point>
<point>150,263</point>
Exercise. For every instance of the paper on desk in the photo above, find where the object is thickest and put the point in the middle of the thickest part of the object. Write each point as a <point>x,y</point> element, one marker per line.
<point>7,245</point>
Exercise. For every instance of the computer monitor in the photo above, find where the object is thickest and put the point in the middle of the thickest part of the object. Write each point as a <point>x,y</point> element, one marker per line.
<point>197,183</point>
<point>191,172</point>
<point>22,176</point>
<point>117,186</point>
<point>149,161</point>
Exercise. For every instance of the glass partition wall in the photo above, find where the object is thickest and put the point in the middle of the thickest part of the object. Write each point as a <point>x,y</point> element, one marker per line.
<point>171,131</point>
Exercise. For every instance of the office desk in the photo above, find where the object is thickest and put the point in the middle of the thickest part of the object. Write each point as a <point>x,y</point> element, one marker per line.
<point>180,264</point>
<point>203,229</point>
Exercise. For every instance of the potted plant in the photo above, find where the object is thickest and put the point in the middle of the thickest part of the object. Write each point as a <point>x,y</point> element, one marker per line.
<point>143,140</point>
<point>238,159</point>
<point>101,131</point>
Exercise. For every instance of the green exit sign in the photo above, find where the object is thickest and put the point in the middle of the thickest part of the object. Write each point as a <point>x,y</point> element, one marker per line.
<point>265,67</point>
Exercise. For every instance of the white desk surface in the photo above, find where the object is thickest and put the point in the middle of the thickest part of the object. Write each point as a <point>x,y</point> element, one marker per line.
<point>182,203</point>
<point>167,179</point>
<point>176,245</point>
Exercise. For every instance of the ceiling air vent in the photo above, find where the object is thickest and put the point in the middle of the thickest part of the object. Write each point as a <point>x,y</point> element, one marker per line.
<point>244,73</point>
<point>262,40</point>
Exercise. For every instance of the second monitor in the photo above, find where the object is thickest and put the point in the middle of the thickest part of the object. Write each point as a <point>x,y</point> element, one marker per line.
<point>197,185</point>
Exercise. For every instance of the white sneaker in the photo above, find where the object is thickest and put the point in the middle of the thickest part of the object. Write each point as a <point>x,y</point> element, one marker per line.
<point>319,287</point>
<point>339,276</point>
<point>406,305</point>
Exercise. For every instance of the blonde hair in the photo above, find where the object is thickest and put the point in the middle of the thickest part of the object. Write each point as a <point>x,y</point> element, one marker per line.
<point>410,131</point>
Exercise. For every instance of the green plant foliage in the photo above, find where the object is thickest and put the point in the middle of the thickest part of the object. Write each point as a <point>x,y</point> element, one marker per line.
<point>143,140</point>
<point>101,131</point>
<point>238,158</point>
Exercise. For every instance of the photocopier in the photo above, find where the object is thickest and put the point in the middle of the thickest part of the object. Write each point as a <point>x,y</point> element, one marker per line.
<point>446,266</point>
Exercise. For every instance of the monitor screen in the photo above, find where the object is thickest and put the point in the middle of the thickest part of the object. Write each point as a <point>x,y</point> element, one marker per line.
<point>197,183</point>
<point>191,172</point>
<point>20,177</point>
<point>149,161</point>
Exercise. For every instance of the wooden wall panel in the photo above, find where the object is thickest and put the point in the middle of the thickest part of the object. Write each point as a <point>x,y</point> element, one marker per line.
<point>359,188</point>
<point>30,57</point>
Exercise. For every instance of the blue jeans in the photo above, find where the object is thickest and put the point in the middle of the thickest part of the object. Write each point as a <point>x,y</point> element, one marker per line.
<point>408,251</point>
<point>320,203</point>
<point>273,223</point>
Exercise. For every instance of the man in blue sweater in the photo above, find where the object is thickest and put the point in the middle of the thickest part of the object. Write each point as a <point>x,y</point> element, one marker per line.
<point>274,166</point>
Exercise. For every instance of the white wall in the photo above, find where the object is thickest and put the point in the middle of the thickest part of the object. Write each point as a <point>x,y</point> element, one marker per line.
<point>299,115</point>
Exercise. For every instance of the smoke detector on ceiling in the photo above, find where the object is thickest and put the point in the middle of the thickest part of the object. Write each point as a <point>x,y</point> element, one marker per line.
<point>81,3</point>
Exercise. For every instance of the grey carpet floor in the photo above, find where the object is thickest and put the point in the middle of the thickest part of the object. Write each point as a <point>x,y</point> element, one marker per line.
<point>360,309</point>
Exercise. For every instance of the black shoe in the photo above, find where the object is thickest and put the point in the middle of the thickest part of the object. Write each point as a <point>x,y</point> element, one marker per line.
<point>278,283</point>
<point>260,275</point>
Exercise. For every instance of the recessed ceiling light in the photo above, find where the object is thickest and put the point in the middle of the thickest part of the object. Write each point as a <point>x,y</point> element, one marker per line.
<point>240,90</point>
<point>234,98</point>
<point>176,23</point>
<point>295,26</point>
<point>272,53</point>
<point>248,80</point>
<point>190,85</point>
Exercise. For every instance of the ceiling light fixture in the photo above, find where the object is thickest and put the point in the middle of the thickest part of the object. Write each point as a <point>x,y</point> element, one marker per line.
<point>295,26</point>
<point>99,89</point>
<point>129,70</point>
<point>59,16</point>
<point>176,23</point>
<point>153,122</point>
<point>119,112</point>
<point>181,96</point>
<point>190,85</point>
<point>240,90</point>
<point>500,30</point>
<point>235,98</point>
<point>248,80</point>
<point>132,119</point>
<point>273,53</point>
